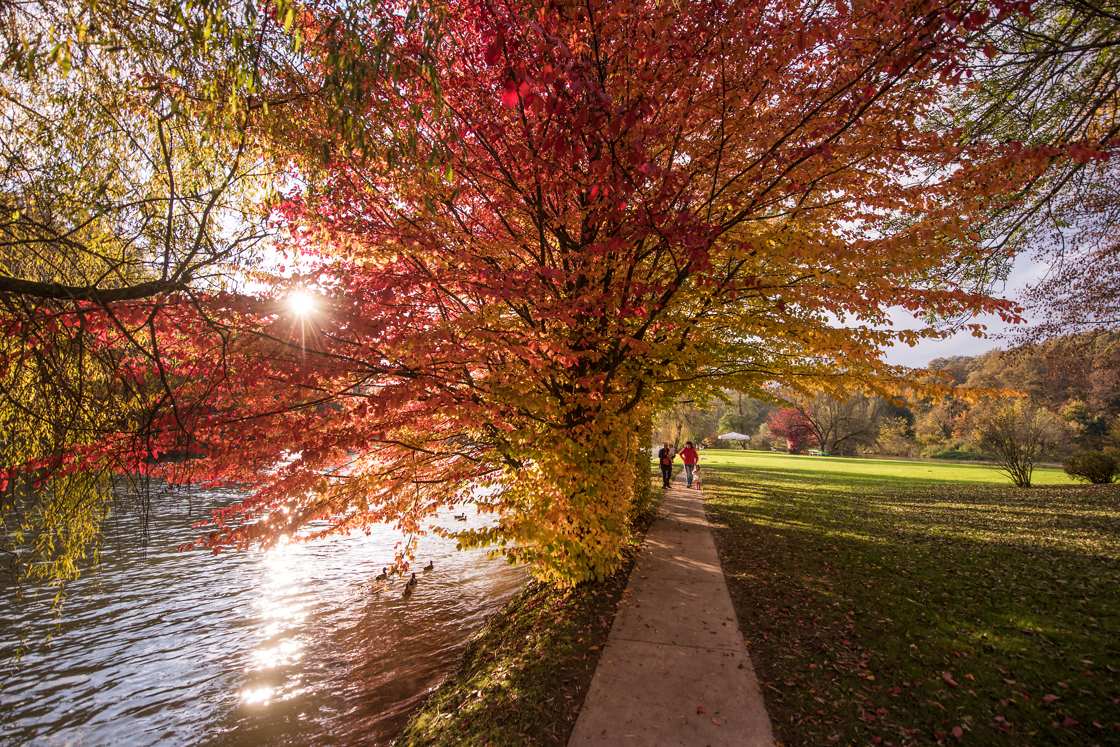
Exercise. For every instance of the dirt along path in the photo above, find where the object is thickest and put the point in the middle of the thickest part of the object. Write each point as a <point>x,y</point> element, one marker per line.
<point>675,670</point>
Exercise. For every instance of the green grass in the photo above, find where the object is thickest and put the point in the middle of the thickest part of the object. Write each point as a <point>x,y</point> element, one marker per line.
<point>905,602</point>
<point>876,470</point>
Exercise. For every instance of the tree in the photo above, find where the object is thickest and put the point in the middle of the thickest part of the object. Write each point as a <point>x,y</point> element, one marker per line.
<point>1087,428</point>
<point>689,421</point>
<point>1053,76</point>
<point>840,426</point>
<point>791,424</point>
<point>763,439</point>
<point>1016,434</point>
<point>957,367</point>
<point>1053,372</point>
<point>604,209</point>
<point>745,416</point>
<point>125,159</point>
<point>896,437</point>
<point>140,150</point>
<point>937,427</point>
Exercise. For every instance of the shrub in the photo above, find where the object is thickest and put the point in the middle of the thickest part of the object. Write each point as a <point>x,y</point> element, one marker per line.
<point>1093,466</point>
<point>958,454</point>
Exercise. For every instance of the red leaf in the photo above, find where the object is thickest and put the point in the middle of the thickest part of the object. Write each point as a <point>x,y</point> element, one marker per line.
<point>493,52</point>
<point>958,732</point>
<point>1049,698</point>
<point>949,679</point>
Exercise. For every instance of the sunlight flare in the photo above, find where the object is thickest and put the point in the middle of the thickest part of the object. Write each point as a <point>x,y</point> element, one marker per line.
<point>301,303</point>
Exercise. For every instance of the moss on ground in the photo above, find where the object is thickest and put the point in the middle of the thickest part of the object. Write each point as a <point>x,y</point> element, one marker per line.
<point>523,678</point>
<point>905,608</point>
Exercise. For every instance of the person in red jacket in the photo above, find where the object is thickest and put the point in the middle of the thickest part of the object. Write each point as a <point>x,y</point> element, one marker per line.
<point>691,458</point>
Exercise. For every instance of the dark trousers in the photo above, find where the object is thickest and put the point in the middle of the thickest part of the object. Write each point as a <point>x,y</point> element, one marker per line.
<point>666,474</point>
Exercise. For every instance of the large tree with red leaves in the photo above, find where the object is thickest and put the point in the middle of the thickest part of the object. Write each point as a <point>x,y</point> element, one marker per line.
<point>564,217</point>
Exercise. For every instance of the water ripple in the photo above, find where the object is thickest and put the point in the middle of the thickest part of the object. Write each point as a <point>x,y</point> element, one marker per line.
<point>285,647</point>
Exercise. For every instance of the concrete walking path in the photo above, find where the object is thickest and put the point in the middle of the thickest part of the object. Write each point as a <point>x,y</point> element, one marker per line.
<point>675,670</point>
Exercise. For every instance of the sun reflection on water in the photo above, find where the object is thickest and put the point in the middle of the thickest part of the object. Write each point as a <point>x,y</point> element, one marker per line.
<point>285,576</point>
<point>257,695</point>
<point>287,652</point>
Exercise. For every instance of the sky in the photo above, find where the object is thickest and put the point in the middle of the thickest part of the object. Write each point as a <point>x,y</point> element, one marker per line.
<point>1025,271</point>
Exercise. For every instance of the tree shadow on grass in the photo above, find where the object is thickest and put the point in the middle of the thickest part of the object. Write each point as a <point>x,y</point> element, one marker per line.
<point>901,615</point>
<point>1080,519</point>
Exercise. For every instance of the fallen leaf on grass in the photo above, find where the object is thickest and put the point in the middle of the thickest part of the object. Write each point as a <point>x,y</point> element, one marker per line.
<point>958,732</point>
<point>1049,698</point>
<point>949,679</point>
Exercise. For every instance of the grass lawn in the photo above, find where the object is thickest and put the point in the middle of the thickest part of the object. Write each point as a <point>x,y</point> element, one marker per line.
<point>896,602</point>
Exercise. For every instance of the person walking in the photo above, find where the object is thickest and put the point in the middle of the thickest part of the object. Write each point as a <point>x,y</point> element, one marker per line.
<point>691,458</point>
<point>665,460</point>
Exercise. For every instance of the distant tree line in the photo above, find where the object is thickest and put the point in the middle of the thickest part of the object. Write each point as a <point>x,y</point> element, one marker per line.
<point>1049,401</point>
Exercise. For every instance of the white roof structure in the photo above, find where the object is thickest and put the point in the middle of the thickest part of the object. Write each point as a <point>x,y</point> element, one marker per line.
<point>733,436</point>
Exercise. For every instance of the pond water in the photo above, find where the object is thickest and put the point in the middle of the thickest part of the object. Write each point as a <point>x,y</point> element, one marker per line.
<point>297,645</point>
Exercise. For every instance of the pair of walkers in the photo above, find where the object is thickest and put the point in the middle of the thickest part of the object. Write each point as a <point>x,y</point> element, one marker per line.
<point>688,455</point>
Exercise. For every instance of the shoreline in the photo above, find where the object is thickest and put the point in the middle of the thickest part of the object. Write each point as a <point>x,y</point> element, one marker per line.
<point>523,677</point>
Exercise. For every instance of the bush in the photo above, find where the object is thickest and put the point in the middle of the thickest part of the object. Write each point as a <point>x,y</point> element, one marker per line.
<point>958,454</point>
<point>1093,466</point>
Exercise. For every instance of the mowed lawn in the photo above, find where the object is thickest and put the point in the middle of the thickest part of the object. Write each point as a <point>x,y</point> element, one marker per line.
<point>908,602</point>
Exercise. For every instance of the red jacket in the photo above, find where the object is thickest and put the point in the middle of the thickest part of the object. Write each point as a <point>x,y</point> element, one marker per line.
<point>689,455</point>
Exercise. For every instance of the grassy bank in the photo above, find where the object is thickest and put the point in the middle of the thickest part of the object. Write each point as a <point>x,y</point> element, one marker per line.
<point>523,679</point>
<point>909,602</point>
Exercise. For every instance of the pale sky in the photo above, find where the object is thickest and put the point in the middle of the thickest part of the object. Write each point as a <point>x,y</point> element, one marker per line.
<point>1025,271</point>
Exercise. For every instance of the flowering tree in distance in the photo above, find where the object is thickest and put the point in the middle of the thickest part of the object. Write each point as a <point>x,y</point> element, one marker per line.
<point>605,206</point>
<point>791,424</point>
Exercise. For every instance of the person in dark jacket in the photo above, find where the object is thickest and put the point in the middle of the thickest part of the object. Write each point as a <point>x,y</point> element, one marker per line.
<point>665,461</point>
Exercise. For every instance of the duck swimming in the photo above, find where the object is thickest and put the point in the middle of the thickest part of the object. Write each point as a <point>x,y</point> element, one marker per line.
<point>383,575</point>
<point>411,582</point>
<point>431,564</point>
<point>461,517</point>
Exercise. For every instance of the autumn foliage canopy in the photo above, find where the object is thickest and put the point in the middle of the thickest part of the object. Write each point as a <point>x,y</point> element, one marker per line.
<point>563,217</point>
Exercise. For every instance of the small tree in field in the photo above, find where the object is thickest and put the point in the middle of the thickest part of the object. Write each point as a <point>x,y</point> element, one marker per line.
<point>1015,434</point>
<point>792,425</point>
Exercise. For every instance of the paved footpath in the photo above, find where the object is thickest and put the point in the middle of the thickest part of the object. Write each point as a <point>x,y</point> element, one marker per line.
<point>675,670</point>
